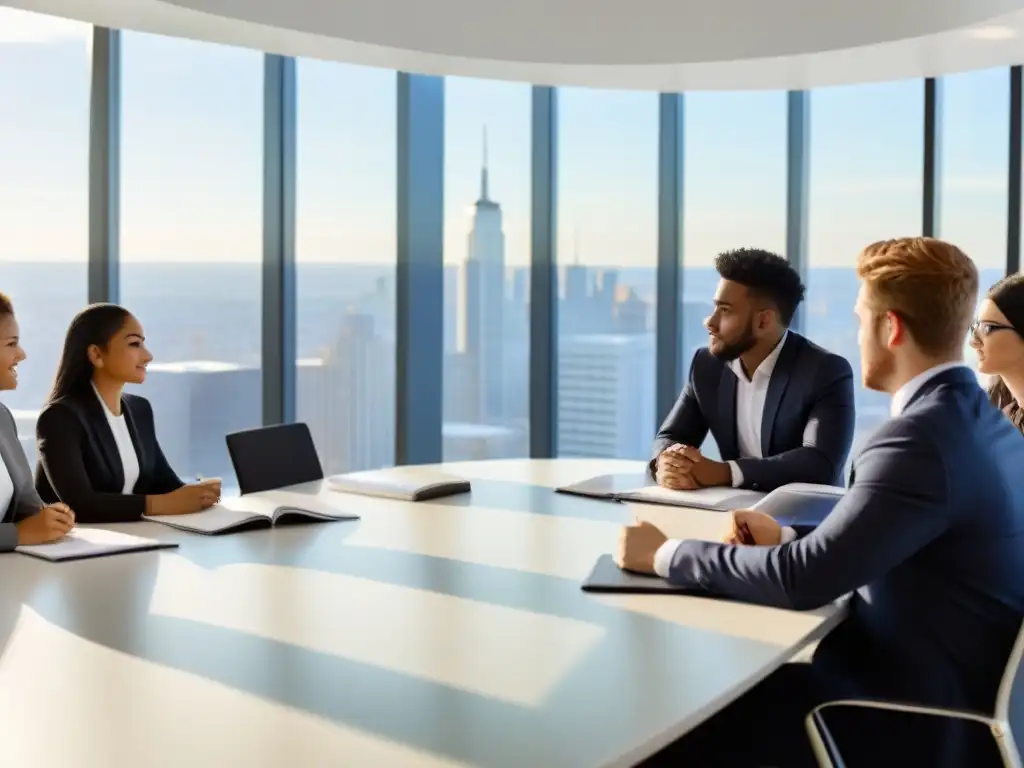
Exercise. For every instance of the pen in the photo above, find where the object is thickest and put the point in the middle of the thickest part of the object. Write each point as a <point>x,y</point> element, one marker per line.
<point>746,537</point>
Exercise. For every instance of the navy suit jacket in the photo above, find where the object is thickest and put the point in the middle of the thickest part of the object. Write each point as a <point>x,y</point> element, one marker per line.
<point>930,539</point>
<point>807,426</point>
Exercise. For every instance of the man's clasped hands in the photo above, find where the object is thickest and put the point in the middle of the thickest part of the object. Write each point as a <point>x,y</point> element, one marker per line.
<point>685,468</point>
<point>639,543</point>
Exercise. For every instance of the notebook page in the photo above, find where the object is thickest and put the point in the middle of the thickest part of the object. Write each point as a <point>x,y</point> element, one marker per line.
<point>89,542</point>
<point>717,498</point>
<point>229,512</point>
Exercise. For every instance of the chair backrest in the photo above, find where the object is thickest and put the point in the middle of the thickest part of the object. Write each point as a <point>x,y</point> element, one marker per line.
<point>1010,698</point>
<point>274,457</point>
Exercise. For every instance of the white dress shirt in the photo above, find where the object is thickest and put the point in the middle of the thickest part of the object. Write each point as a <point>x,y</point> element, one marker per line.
<point>6,490</point>
<point>750,397</point>
<point>906,393</point>
<point>125,446</point>
<point>900,399</point>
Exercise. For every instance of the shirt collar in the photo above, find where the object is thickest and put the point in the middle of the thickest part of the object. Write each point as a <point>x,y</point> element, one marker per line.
<point>902,397</point>
<point>767,365</point>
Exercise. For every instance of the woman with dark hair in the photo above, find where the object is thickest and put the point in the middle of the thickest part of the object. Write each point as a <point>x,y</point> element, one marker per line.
<point>24,519</point>
<point>97,446</point>
<point>998,337</point>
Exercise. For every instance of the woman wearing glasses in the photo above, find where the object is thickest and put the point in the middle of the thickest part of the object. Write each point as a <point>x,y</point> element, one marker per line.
<point>998,337</point>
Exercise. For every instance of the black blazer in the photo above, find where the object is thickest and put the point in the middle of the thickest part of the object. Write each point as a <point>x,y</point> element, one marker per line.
<point>808,422</point>
<point>79,463</point>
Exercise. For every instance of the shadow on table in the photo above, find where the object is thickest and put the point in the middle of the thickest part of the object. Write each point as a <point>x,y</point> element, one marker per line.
<point>110,604</point>
<point>536,499</point>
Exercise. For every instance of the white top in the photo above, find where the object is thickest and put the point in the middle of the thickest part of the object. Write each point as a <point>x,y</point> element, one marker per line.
<point>125,446</point>
<point>902,396</point>
<point>6,490</point>
<point>900,399</point>
<point>750,397</point>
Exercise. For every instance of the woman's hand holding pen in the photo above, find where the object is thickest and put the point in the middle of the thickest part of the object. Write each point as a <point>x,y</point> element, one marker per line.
<point>212,484</point>
<point>186,500</point>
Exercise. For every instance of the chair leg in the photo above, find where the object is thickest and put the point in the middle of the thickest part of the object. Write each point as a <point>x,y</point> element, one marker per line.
<point>1007,747</point>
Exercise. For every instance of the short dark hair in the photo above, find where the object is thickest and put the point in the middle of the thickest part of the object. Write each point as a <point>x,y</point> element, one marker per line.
<point>765,274</point>
<point>6,307</point>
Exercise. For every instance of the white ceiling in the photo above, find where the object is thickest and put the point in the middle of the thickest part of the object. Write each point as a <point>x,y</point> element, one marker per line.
<point>646,44</point>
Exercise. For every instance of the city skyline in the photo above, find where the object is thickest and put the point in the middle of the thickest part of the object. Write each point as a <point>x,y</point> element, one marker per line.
<point>192,153</point>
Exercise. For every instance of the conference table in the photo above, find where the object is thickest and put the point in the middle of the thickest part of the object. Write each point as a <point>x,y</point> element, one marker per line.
<point>450,632</point>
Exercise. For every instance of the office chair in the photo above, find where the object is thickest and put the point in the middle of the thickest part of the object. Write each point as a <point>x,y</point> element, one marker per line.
<point>273,457</point>
<point>1009,708</point>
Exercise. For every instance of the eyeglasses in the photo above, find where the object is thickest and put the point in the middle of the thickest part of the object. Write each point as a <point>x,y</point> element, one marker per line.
<point>982,328</point>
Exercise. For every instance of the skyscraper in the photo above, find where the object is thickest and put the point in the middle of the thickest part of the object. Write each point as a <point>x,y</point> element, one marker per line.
<point>485,302</point>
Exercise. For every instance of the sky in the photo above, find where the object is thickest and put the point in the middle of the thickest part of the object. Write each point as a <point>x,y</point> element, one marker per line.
<point>192,150</point>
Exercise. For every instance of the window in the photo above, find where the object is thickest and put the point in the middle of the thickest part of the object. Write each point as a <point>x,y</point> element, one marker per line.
<point>487,269</point>
<point>734,195</point>
<point>975,156</point>
<point>346,251</point>
<point>607,252</point>
<point>866,185</point>
<point>191,238</point>
<point>44,193</point>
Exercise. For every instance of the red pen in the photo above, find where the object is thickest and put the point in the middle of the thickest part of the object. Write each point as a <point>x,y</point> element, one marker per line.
<point>746,537</point>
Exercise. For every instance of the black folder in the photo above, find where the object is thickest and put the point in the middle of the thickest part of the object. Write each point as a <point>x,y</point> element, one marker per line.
<point>608,577</point>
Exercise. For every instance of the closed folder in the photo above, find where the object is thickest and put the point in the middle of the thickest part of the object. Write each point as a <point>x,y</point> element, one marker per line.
<point>606,576</point>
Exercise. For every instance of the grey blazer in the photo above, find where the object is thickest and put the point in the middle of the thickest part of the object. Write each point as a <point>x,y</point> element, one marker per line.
<point>25,501</point>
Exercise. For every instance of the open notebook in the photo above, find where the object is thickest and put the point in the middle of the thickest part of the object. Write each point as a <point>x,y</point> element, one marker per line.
<point>806,503</point>
<point>406,483</point>
<point>81,543</point>
<point>718,499</point>
<point>607,486</point>
<point>245,512</point>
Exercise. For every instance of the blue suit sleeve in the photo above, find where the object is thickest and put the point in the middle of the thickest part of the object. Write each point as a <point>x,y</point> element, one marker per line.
<point>896,506</point>
<point>685,423</point>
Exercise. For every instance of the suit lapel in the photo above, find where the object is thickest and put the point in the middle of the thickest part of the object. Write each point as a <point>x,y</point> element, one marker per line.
<point>776,389</point>
<point>105,437</point>
<point>727,413</point>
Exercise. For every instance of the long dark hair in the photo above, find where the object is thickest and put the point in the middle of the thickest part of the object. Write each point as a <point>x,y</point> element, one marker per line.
<point>96,324</point>
<point>1008,295</point>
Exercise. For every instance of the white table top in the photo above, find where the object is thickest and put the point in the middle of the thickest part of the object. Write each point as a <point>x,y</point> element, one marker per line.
<point>437,633</point>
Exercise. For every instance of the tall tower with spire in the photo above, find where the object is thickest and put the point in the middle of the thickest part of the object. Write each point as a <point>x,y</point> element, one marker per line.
<point>485,299</point>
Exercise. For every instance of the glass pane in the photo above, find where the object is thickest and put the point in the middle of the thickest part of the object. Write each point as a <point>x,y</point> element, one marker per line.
<point>487,269</point>
<point>734,195</point>
<point>975,158</point>
<point>866,150</point>
<point>191,239</point>
<point>607,254</point>
<point>345,249</point>
<point>44,193</point>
